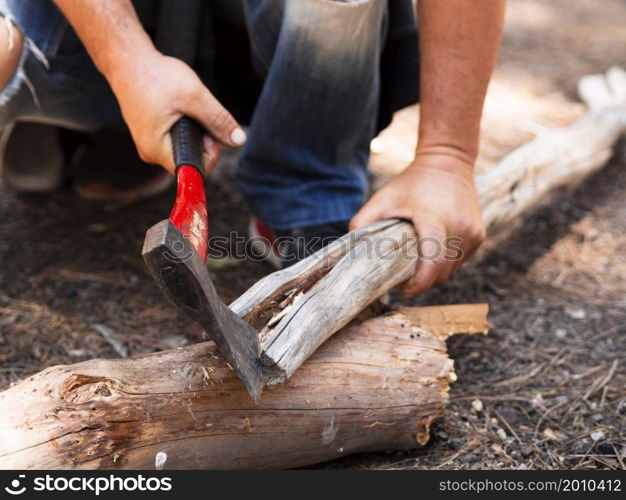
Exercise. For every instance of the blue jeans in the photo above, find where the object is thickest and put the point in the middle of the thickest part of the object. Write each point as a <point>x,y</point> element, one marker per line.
<point>308,144</point>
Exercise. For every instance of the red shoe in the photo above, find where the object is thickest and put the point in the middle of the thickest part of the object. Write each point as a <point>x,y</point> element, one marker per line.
<point>264,242</point>
<point>284,248</point>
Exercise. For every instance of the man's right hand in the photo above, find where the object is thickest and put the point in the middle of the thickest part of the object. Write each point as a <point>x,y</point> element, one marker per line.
<point>154,91</point>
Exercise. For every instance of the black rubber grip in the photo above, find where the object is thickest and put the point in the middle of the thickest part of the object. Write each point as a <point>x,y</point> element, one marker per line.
<point>187,144</point>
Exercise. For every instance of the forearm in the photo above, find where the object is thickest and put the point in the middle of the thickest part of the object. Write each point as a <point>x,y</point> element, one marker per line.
<point>459,42</point>
<point>110,31</point>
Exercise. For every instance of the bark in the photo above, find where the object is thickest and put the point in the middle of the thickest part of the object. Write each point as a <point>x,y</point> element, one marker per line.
<point>377,384</point>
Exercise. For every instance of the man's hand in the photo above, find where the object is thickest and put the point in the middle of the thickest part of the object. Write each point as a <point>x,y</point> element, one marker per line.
<point>155,93</point>
<point>437,194</point>
<point>153,90</point>
<point>458,50</point>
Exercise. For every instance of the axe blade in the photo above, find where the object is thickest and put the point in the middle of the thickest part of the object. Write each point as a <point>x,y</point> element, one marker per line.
<point>184,278</point>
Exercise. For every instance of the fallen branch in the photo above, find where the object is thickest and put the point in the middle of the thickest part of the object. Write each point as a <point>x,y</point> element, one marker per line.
<point>366,265</point>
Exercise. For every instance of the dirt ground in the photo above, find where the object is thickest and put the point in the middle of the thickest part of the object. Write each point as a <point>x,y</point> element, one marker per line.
<point>550,376</point>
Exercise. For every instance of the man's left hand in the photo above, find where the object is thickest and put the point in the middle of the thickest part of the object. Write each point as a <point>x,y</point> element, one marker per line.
<point>438,195</point>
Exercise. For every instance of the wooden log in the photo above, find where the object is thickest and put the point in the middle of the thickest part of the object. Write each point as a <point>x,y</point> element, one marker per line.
<point>382,256</point>
<point>376,385</point>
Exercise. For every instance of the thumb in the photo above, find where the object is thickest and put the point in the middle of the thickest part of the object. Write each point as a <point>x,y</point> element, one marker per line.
<point>214,117</point>
<point>367,215</point>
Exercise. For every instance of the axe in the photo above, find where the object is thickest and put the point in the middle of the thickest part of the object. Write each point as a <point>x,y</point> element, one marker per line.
<point>175,251</point>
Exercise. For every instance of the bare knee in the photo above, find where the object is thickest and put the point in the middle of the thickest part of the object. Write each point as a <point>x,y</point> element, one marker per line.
<point>11,46</point>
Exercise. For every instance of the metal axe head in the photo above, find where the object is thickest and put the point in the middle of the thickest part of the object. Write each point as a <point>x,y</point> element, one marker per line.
<point>183,276</point>
<point>175,251</point>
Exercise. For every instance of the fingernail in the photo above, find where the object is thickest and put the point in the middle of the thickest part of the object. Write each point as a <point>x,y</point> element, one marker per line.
<point>238,137</point>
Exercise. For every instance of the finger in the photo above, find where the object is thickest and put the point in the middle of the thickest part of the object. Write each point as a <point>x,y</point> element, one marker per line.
<point>468,253</point>
<point>470,245</point>
<point>453,261</point>
<point>214,117</point>
<point>370,213</point>
<point>445,272</point>
<point>456,250</point>
<point>432,264</point>
<point>438,272</point>
<point>479,237</point>
<point>211,152</point>
<point>425,276</point>
<point>163,154</point>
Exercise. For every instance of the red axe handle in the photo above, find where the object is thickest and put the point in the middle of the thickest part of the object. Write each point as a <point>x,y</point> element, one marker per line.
<point>189,214</point>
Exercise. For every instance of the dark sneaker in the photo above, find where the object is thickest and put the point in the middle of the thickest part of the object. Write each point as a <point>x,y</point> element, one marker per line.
<point>31,157</point>
<point>285,248</point>
<point>110,170</point>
